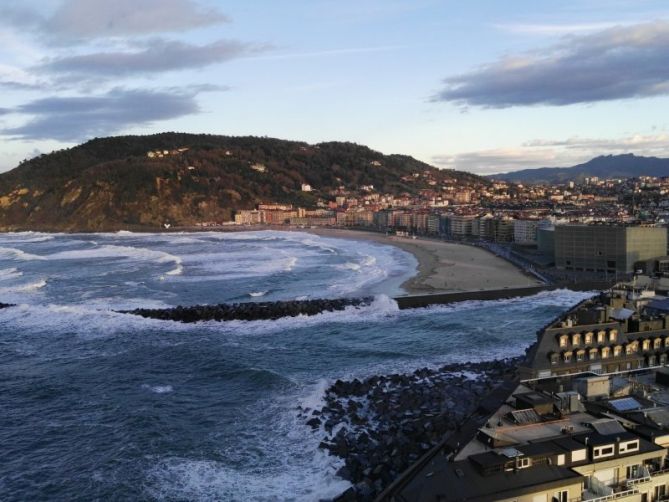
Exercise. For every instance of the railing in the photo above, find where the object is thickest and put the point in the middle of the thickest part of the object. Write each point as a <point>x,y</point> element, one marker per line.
<point>643,477</point>
<point>614,496</point>
<point>637,481</point>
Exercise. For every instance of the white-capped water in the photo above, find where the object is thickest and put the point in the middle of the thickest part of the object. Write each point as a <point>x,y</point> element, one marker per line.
<point>118,406</point>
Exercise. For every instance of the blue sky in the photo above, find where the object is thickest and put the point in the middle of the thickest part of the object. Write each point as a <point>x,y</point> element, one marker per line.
<point>484,86</point>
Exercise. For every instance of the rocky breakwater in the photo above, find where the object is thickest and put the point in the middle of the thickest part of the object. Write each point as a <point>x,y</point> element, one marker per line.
<point>383,424</point>
<point>251,311</point>
<point>6,305</point>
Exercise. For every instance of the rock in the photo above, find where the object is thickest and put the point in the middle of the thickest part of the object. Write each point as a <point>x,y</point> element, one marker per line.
<point>348,496</point>
<point>314,423</point>
<point>344,473</point>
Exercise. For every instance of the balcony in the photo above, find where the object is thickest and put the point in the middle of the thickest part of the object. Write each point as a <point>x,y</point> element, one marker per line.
<point>628,495</point>
<point>642,477</point>
<point>596,491</point>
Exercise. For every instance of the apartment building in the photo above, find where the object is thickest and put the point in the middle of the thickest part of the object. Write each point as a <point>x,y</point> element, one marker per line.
<point>547,442</point>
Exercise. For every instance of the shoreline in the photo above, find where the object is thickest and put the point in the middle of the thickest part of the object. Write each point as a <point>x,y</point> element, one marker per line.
<point>444,267</point>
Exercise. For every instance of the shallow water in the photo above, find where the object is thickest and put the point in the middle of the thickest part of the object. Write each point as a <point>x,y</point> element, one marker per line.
<point>98,405</point>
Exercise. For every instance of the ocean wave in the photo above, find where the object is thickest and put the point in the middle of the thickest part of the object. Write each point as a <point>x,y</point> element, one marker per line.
<point>24,288</point>
<point>158,389</point>
<point>256,294</point>
<point>178,478</point>
<point>106,251</point>
<point>18,254</point>
<point>10,273</point>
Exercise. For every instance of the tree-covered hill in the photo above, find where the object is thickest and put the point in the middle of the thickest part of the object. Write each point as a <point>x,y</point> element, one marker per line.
<point>138,182</point>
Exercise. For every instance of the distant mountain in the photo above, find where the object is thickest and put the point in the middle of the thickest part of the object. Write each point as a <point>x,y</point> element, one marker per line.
<point>142,182</point>
<point>606,166</point>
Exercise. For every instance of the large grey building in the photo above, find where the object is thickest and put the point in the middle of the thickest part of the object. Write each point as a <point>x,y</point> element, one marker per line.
<point>607,248</point>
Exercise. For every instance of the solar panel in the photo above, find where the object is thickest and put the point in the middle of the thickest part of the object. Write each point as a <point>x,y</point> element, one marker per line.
<point>608,427</point>
<point>625,404</point>
<point>511,452</point>
<point>525,417</point>
<point>659,416</point>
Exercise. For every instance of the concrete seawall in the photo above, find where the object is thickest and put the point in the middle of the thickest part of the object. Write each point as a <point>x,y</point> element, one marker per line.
<point>418,301</point>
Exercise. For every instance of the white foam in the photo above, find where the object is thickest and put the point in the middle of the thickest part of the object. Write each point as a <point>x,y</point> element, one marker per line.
<point>18,254</point>
<point>24,288</point>
<point>256,294</point>
<point>127,252</point>
<point>158,389</point>
<point>10,273</point>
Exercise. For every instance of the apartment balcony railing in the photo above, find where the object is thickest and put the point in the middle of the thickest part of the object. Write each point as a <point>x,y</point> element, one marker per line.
<point>614,496</point>
<point>642,477</point>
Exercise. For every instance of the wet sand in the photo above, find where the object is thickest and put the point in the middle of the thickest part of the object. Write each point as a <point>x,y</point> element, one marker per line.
<point>445,266</point>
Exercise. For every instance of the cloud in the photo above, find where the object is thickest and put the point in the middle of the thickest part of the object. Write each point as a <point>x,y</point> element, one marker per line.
<point>616,63</point>
<point>156,55</point>
<point>553,153</point>
<point>72,119</point>
<point>557,29</point>
<point>497,160</point>
<point>77,20</point>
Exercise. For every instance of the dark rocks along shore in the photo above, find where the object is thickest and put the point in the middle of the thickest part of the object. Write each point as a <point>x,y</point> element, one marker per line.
<point>381,425</point>
<point>251,311</point>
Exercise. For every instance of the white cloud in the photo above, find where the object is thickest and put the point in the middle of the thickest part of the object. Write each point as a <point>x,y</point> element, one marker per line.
<point>616,63</point>
<point>78,20</point>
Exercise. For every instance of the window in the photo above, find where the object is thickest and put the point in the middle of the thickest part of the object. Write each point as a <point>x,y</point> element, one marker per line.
<point>561,496</point>
<point>666,342</point>
<point>567,357</point>
<point>555,358</point>
<point>603,451</point>
<point>657,343</point>
<point>645,345</point>
<point>628,446</point>
<point>593,354</point>
<point>588,338</point>
<point>576,339</point>
<point>580,355</point>
<point>522,463</point>
<point>564,339</point>
<point>561,459</point>
<point>606,352</point>
<point>613,334</point>
<point>617,351</point>
<point>601,337</point>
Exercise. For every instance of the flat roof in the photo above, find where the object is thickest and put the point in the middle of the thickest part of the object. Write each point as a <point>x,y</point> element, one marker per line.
<point>457,481</point>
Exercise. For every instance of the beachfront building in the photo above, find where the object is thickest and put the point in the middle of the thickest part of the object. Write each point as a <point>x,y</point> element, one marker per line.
<point>607,248</point>
<point>626,328</point>
<point>573,439</point>
<point>525,231</point>
<point>460,226</point>
<point>249,217</point>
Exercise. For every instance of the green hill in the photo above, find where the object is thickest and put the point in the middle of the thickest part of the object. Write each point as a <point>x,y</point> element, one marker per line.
<point>112,183</point>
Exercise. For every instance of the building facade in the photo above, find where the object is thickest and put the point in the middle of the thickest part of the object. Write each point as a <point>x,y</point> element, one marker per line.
<point>607,248</point>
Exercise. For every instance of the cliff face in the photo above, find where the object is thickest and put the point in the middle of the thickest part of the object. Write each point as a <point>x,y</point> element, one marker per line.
<point>143,182</point>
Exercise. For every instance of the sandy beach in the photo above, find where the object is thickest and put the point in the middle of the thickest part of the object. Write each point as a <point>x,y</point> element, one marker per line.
<point>446,266</point>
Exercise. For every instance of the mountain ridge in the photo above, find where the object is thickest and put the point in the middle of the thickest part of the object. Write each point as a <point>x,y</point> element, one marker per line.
<point>625,165</point>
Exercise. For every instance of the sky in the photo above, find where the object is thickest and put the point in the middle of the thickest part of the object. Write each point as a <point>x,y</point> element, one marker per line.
<point>483,85</point>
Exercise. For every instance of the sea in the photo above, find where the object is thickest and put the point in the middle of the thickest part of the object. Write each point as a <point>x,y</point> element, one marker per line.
<point>99,405</point>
